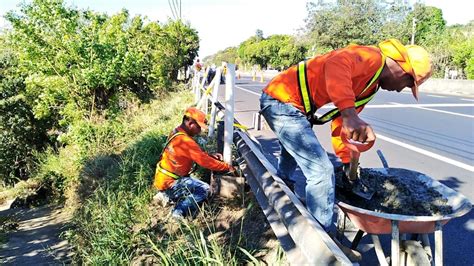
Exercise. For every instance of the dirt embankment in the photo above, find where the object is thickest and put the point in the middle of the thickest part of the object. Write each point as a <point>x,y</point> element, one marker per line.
<point>35,239</point>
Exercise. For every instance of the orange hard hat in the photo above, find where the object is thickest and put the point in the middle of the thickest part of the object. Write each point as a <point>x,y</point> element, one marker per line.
<point>413,59</point>
<point>198,115</point>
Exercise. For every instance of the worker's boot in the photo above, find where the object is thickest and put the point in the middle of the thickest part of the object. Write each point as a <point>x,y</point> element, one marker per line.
<point>161,198</point>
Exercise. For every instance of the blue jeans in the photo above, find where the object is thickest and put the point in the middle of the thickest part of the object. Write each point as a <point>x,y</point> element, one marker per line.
<point>300,146</point>
<point>187,193</point>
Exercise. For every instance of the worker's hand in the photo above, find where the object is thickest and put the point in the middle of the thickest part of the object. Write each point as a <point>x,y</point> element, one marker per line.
<point>233,171</point>
<point>217,156</point>
<point>355,128</point>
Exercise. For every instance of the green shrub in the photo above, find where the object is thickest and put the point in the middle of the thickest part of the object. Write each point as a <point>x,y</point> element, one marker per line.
<point>62,68</point>
<point>21,133</point>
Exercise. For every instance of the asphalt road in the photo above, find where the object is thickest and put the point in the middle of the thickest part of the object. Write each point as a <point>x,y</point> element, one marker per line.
<point>434,136</point>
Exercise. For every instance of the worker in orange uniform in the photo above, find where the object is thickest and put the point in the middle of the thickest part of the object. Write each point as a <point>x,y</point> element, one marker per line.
<point>348,78</point>
<point>179,154</point>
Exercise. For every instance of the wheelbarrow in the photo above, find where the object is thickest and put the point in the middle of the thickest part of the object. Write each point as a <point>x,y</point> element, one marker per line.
<point>413,252</point>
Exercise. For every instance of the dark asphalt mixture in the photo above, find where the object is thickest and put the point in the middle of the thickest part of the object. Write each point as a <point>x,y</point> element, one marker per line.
<point>394,194</point>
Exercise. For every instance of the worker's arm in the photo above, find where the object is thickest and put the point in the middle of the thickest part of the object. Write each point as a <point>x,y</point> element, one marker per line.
<point>338,72</point>
<point>205,160</point>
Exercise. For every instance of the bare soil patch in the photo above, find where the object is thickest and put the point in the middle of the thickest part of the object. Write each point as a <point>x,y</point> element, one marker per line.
<point>36,239</point>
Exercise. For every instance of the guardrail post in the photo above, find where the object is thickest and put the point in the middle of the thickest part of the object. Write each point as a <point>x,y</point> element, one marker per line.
<point>215,92</point>
<point>395,259</point>
<point>257,121</point>
<point>229,112</point>
<point>197,86</point>
<point>220,137</point>
<point>193,82</point>
<point>206,72</point>
<point>438,242</point>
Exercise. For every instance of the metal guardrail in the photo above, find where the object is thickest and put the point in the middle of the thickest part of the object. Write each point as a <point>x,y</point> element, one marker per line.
<point>302,238</point>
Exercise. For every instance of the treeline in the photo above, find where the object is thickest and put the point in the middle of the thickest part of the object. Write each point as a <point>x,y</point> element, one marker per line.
<point>276,51</point>
<point>334,24</point>
<point>60,66</point>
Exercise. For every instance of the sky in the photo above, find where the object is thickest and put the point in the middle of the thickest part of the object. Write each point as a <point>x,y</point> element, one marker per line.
<point>225,23</point>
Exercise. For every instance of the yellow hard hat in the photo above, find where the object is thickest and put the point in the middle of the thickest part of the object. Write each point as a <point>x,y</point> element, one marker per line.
<point>413,59</point>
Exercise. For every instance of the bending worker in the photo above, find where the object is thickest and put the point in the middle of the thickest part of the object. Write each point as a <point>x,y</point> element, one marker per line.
<point>348,78</point>
<point>179,154</point>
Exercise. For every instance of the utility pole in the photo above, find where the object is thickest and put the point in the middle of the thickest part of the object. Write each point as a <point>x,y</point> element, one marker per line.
<point>413,29</point>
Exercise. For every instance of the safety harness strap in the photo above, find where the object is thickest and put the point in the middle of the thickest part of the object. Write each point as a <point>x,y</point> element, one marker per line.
<point>158,166</point>
<point>304,88</point>
<point>308,105</point>
<point>166,172</point>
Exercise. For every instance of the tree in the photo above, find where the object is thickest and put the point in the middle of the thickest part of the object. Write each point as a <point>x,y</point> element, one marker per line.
<point>429,23</point>
<point>180,44</point>
<point>22,133</point>
<point>284,51</point>
<point>250,52</point>
<point>278,51</point>
<point>336,24</point>
<point>259,35</point>
<point>65,65</point>
<point>229,54</point>
<point>462,46</point>
<point>81,60</point>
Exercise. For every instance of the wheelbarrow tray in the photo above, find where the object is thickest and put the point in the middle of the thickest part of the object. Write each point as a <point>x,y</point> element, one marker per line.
<point>373,222</point>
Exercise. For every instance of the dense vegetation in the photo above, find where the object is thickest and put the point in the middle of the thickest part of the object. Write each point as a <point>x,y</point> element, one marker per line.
<point>335,24</point>
<point>60,66</point>
<point>87,100</point>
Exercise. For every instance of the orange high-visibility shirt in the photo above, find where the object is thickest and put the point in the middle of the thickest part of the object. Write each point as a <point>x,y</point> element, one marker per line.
<point>178,158</point>
<point>338,77</point>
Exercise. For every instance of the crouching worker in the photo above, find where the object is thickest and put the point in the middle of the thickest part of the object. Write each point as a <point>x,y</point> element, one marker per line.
<point>173,168</point>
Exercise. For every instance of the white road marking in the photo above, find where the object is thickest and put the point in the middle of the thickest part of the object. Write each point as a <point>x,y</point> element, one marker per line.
<point>469,100</point>
<point>408,146</point>
<point>400,105</point>
<point>436,96</point>
<point>428,153</point>
<point>258,94</point>
<point>435,110</point>
<point>252,85</point>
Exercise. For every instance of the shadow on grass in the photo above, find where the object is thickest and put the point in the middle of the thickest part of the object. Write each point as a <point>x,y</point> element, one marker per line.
<point>129,167</point>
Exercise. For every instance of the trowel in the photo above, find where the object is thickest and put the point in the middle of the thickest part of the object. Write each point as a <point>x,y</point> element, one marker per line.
<point>358,188</point>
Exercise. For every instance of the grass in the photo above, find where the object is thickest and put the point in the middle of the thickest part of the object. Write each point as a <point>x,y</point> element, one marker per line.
<point>104,173</point>
<point>117,177</point>
<point>117,222</point>
<point>7,224</point>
